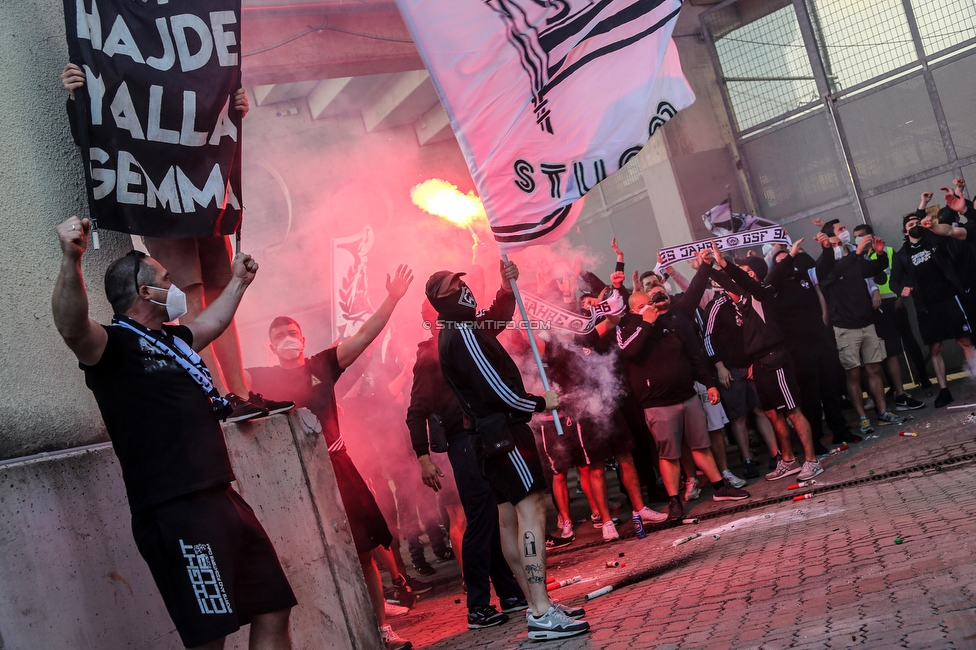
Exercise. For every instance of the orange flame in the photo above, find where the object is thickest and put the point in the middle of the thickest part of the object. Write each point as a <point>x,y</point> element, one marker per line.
<point>444,200</point>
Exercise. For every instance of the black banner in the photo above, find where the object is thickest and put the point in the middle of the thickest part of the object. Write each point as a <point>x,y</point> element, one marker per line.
<point>157,125</point>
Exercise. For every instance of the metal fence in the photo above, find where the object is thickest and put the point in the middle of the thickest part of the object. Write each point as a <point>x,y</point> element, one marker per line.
<point>847,108</point>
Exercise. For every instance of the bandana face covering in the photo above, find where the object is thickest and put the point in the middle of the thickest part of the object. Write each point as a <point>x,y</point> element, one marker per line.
<point>456,306</point>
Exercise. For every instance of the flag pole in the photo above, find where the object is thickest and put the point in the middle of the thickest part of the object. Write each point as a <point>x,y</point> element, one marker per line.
<point>535,348</point>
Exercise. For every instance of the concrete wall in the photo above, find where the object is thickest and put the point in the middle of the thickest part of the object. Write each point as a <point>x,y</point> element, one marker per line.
<point>72,577</point>
<point>44,404</point>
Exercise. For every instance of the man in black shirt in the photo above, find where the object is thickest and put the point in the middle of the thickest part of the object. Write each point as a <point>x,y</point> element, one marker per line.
<point>662,368</point>
<point>310,382</point>
<point>212,561</point>
<point>497,410</point>
<point>931,269</point>
<point>841,271</point>
<point>434,418</point>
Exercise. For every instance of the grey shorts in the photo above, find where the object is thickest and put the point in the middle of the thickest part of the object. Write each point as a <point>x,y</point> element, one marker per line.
<point>670,424</point>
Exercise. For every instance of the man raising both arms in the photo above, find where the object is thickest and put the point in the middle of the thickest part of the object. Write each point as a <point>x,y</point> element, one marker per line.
<point>161,411</point>
<point>489,386</point>
<point>310,382</point>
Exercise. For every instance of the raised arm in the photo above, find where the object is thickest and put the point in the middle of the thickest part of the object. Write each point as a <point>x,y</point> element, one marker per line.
<point>85,337</point>
<point>213,320</point>
<point>350,349</point>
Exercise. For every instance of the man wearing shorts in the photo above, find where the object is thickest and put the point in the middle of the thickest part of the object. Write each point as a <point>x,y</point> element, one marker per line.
<point>488,384</point>
<point>842,270</point>
<point>662,368</point>
<point>435,418</point>
<point>771,367</point>
<point>310,382</point>
<point>212,562</point>
<point>932,269</point>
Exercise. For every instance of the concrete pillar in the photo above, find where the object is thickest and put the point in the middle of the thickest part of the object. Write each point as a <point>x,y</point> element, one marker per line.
<point>72,577</point>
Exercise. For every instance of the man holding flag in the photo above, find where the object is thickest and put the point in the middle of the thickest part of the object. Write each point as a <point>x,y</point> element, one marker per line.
<point>497,409</point>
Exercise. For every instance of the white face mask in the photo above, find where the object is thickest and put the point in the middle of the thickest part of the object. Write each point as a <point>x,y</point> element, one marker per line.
<point>175,302</point>
<point>845,237</point>
<point>289,347</point>
<point>838,252</point>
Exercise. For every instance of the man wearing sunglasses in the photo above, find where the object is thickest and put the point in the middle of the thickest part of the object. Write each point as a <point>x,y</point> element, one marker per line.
<point>161,411</point>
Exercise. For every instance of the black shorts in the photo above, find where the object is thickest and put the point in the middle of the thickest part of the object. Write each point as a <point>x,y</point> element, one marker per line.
<point>884,325</point>
<point>212,562</point>
<point>740,397</point>
<point>517,474</point>
<point>563,451</point>
<point>776,386</point>
<point>604,439</point>
<point>366,520</point>
<point>944,320</point>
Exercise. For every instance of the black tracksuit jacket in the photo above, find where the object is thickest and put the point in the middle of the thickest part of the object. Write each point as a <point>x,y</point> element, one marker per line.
<point>483,375</point>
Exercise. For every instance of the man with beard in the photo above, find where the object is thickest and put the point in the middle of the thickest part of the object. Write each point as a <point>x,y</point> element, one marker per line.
<point>489,386</point>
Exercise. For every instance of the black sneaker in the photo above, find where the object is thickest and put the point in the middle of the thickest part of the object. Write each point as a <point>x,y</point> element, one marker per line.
<point>510,605</point>
<point>402,593</point>
<point>675,509</point>
<point>243,410</point>
<point>819,449</point>
<point>729,493</point>
<point>846,436</point>
<point>445,554</point>
<point>485,616</point>
<point>271,405</point>
<point>774,461</point>
<point>904,402</point>
<point>944,398</point>
<point>416,586</point>
<point>422,567</point>
<point>555,542</point>
<point>750,469</point>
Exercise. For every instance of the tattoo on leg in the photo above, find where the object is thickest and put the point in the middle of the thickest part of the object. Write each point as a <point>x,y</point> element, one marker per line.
<point>528,544</point>
<point>535,573</point>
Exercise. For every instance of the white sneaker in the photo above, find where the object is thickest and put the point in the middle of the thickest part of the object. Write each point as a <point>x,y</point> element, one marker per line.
<point>733,480</point>
<point>392,641</point>
<point>692,490</point>
<point>567,526</point>
<point>609,532</point>
<point>869,404</point>
<point>393,611</point>
<point>649,516</point>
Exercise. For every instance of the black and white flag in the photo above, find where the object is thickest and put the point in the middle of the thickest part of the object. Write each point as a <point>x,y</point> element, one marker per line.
<point>157,120</point>
<point>548,97</point>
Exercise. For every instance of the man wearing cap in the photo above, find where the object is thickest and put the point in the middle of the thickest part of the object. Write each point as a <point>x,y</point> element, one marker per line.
<point>937,272</point>
<point>842,270</point>
<point>497,409</point>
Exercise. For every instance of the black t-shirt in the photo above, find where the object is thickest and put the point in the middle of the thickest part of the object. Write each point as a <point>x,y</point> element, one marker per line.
<point>933,285</point>
<point>310,386</point>
<point>163,427</point>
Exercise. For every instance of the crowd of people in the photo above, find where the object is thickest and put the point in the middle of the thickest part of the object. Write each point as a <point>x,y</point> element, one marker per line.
<point>657,389</point>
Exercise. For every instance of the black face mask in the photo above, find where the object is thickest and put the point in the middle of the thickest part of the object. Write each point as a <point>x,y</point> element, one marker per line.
<point>456,306</point>
<point>916,232</point>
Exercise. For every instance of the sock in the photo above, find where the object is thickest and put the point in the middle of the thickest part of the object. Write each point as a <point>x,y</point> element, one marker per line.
<point>718,484</point>
<point>673,497</point>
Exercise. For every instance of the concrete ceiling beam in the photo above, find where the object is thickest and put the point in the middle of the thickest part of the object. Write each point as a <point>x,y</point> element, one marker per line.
<point>433,126</point>
<point>406,98</point>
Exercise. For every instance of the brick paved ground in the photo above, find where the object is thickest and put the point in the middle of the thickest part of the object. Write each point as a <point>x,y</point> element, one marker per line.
<point>820,573</point>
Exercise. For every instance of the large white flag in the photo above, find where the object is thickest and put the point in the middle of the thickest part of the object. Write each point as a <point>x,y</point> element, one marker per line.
<point>548,97</point>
